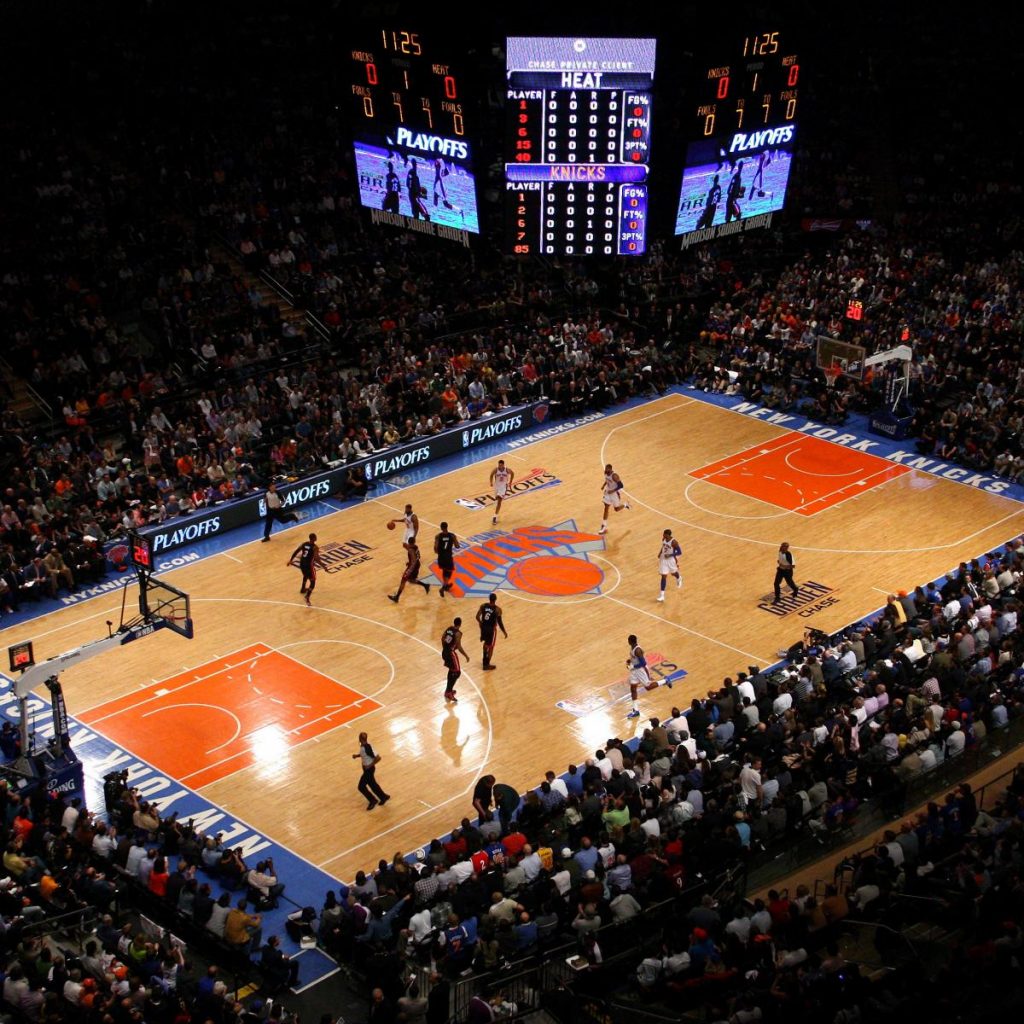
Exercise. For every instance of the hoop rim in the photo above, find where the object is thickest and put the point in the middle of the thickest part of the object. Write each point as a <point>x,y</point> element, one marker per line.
<point>832,374</point>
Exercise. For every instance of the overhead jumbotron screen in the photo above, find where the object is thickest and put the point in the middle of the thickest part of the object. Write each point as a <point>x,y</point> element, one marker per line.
<point>414,159</point>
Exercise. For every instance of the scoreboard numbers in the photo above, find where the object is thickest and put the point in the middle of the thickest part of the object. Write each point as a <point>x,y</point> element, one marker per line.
<point>577,145</point>
<point>414,159</point>
<point>742,134</point>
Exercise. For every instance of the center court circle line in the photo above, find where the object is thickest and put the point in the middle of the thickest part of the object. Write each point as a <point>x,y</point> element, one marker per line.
<point>409,636</point>
<point>350,643</point>
<point>728,515</point>
<point>808,472</point>
<point>212,707</point>
<point>568,600</point>
<point>803,547</point>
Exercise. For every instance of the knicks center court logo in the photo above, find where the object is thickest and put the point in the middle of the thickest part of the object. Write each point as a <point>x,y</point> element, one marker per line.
<point>535,480</point>
<point>548,560</point>
<point>336,556</point>
<point>813,597</point>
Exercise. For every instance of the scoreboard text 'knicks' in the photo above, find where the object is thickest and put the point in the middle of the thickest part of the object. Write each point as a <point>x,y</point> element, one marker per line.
<point>577,145</point>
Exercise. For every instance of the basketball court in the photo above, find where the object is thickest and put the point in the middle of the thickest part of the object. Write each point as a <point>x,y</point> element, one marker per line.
<point>260,712</point>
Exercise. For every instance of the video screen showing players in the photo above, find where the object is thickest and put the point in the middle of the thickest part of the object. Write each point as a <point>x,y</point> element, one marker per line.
<point>728,181</point>
<point>412,182</point>
<point>412,112</point>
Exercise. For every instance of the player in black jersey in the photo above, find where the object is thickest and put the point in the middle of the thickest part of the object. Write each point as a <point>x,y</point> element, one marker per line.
<point>451,648</point>
<point>416,191</point>
<point>714,197</point>
<point>307,557</point>
<point>445,544</point>
<point>411,573</point>
<point>488,617</point>
<point>734,195</point>
<point>392,190</point>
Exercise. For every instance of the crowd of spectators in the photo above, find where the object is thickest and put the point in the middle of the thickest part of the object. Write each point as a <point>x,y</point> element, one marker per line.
<point>67,866</point>
<point>760,763</point>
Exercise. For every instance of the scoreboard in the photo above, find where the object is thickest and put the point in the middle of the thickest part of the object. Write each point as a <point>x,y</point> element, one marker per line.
<point>577,143</point>
<point>742,127</point>
<point>414,159</point>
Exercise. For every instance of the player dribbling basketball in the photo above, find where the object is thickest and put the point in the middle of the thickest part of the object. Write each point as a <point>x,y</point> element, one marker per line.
<point>410,525</point>
<point>611,495</point>
<point>501,481</point>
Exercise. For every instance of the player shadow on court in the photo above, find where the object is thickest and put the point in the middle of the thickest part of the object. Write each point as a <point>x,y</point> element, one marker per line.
<point>450,737</point>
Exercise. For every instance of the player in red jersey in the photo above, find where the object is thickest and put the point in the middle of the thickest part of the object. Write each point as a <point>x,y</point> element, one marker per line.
<point>307,557</point>
<point>451,648</point>
<point>489,619</point>
<point>411,572</point>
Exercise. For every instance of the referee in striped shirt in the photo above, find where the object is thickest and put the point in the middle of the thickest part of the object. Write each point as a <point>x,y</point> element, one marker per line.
<point>274,510</point>
<point>784,572</point>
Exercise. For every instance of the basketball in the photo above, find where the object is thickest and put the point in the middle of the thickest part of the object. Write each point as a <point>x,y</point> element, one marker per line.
<point>555,575</point>
<point>391,524</point>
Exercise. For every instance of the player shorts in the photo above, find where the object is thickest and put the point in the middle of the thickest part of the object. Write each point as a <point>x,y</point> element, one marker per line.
<point>408,537</point>
<point>487,637</point>
<point>613,499</point>
<point>667,566</point>
<point>446,570</point>
<point>451,662</point>
<point>638,677</point>
<point>411,573</point>
<point>501,490</point>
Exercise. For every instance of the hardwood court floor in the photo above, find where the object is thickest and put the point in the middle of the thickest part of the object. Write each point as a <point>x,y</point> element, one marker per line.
<point>557,691</point>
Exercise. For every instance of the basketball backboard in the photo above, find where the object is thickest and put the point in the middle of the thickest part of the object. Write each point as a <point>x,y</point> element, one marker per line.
<point>159,600</point>
<point>832,353</point>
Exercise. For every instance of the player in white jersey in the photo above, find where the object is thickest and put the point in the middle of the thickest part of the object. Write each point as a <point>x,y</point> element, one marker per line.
<point>638,674</point>
<point>667,561</point>
<point>501,481</point>
<point>611,495</point>
<point>410,525</point>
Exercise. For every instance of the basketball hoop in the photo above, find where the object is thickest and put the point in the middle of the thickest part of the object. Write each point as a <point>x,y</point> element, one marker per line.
<point>832,373</point>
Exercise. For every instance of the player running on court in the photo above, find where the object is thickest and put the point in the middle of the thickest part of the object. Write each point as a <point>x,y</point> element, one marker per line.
<point>445,544</point>
<point>307,557</point>
<point>611,495</point>
<point>410,525</point>
<point>638,674</point>
<point>489,618</point>
<point>668,563</point>
<point>501,481</point>
<point>411,572</point>
<point>451,648</point>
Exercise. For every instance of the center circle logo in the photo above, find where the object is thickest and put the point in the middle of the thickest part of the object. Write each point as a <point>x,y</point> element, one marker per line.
<point>555,576</point>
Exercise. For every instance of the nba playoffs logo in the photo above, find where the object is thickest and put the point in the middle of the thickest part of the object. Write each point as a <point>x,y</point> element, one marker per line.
<point>534,480</point>
<point>465,439</point>
<point>552,561</point>
<point>262,507</point>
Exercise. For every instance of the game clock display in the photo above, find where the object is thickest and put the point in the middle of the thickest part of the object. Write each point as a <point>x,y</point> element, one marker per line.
<point>414,160</point>
<point>742,137</point>
<point>577,144</point>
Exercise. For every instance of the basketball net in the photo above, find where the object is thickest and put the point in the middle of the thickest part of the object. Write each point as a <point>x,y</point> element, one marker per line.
<point>832,374</point>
